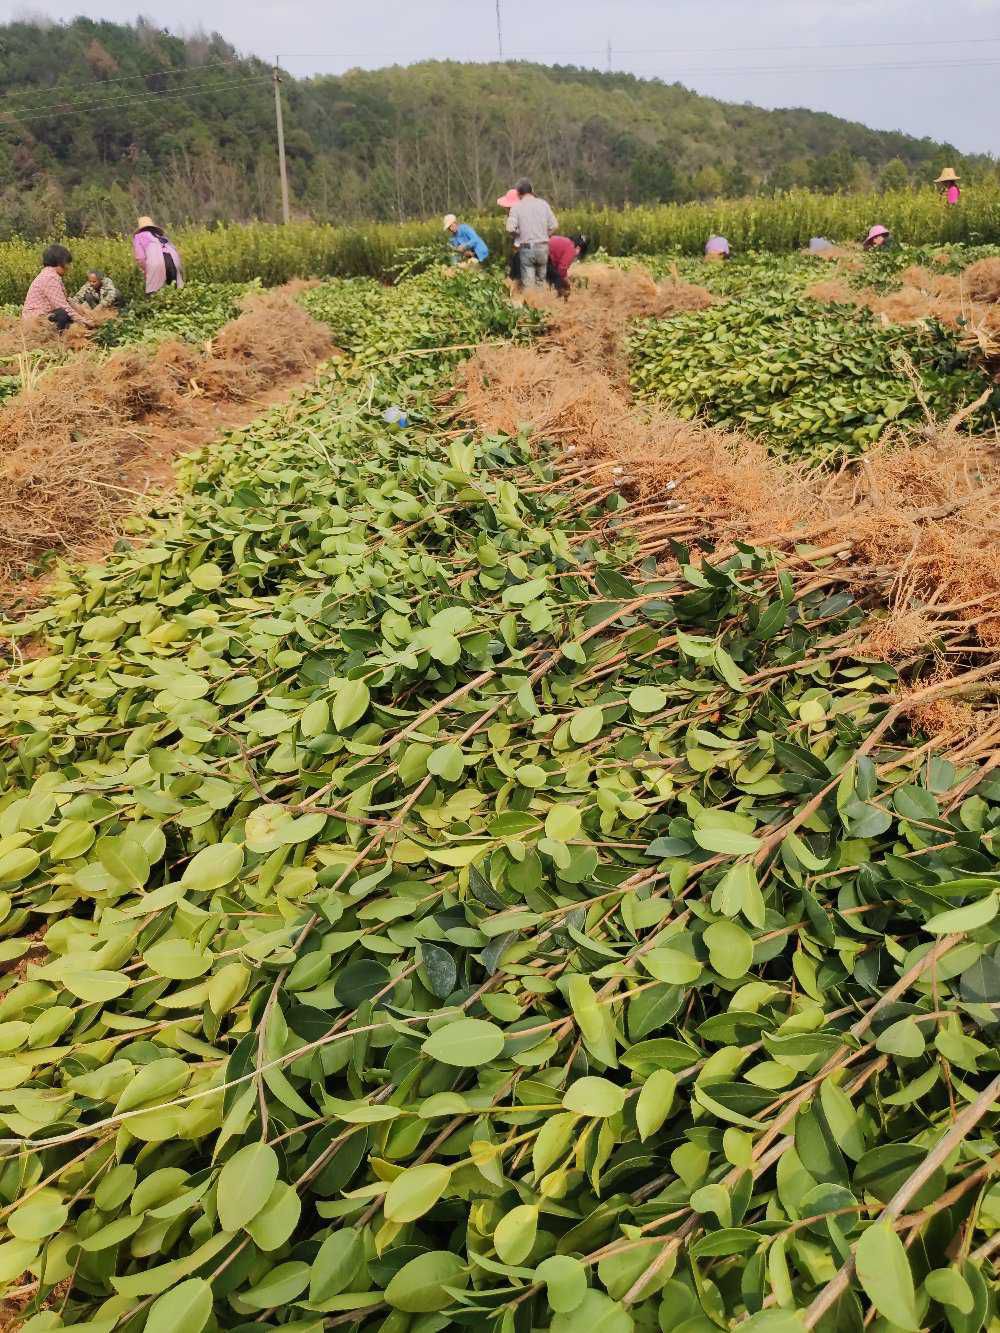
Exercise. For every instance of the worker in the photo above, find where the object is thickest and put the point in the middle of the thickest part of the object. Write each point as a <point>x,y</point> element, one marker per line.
<point>716,247</point>
<point>564,251</point>
<point>508,201</point>
<point>157,256</point>
<point>819,245</point>
<point>468,245</point>
<point>531,222</point>
<point>46,297</point>
<point>879,238</point>
<point>949,180</point>
<point>98,292</point>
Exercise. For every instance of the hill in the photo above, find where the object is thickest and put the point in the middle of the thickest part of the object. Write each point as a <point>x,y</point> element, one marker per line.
<point>99,120</point>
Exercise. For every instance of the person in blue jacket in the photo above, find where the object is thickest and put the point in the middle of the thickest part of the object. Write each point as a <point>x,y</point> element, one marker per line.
<point>466,241</point>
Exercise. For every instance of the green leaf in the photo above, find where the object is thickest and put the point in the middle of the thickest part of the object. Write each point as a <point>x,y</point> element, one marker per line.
<point>277,1220</point>
<point>585,725</point>
<point>563,822</point>
<point>213,867</point>
<point>350,703</point>
<point>902,1038</point>
<point>594,1096</point>
<point>278,1287</point>
<point>884,1273</point>
<point>565,1280</point>
<point>960,919</point>
<point>647,699</point>
<point>672,966</point>
<point>187,1306</point>
<point>415,1191</point>
<point>514,1237</point>
<point>655,1100</point>
<point>446,762</point>
<point>179,960</point>
<point>947,1286</point>
<point>773,1321</point>
<point>420,1285</point>
<point>730,949</point>
<point>727,842</point>
<point>596,1313</point>
<point>40,1217</point>
<point>466,1043</point>
<point>245,1184</point>
<point>340,1259</point>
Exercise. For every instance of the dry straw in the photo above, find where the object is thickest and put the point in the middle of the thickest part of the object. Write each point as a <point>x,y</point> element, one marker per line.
<point>913,533</point>
<point>75,441</point>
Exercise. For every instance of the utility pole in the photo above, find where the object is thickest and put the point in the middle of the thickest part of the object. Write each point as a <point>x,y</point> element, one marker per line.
<point>499,33</point>
<point>285,211</point>
<point>610,62</point>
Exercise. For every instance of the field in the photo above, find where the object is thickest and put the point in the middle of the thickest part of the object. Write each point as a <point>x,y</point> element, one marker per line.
<point>277,254</point>
<point>531,867</point>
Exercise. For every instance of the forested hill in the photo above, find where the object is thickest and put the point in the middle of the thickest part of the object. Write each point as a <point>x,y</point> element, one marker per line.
<point>98,120</point>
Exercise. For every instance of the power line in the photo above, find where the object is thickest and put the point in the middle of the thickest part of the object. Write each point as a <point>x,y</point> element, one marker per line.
<point>93,84</point>
<point>821,46</point>
<point>687,71</point>
<point>124,101</point>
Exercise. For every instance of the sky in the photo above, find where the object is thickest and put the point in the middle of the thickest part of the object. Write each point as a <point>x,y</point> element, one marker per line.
<point>928,67</point>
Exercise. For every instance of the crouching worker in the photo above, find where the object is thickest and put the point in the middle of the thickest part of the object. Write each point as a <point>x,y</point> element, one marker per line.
<point>879,238</point>
<point>564,251</point>
<point>46,298</point>
<point>98,292</point>
<point>468,245</point>
<point>716,248</point>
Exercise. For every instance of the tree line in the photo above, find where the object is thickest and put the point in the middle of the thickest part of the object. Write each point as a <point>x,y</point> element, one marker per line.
<point>99,121</point>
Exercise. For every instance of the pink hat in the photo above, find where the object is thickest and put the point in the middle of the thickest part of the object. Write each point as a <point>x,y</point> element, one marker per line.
<point>509,199</point>
<point>877,230</point>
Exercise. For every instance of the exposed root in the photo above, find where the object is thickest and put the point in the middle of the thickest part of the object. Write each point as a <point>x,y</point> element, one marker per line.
<point>914,533</point>
<point>70,441</point>
<point>591,326</point>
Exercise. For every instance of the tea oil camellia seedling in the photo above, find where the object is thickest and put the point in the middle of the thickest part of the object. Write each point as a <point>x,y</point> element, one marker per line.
<point>420,914</point>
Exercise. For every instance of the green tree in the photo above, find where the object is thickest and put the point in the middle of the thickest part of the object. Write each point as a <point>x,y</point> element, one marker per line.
<point>895,175</point>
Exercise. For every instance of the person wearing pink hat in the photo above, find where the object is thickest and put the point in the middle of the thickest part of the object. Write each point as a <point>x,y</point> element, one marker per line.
<point>508,200</point>
<point>879,238</point>
<point>531,222</point>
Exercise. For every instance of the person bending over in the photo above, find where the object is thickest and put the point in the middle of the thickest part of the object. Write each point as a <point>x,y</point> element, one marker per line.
<point>564,251</point>
<point>467,243</point>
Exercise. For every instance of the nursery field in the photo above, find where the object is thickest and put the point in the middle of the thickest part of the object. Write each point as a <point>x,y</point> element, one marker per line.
<point>784,223</point>
<point>490,852</point>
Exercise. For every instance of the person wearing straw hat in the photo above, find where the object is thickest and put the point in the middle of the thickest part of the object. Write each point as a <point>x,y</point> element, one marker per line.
<point>949,181</point>
<point>879,238</point>
<point>468,245</point>
<point>157,256</point>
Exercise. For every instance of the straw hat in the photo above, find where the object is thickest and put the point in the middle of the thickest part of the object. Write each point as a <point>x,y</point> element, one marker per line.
<point>947,177</point>
<point>449,220</point>
<point>144,221</point>
<point>509,199</point>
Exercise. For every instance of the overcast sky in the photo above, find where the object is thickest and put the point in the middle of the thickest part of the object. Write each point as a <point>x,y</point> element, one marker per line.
<point>929,67</point>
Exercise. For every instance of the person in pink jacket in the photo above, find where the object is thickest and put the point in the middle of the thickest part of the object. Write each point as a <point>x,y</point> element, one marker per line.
<point>157,256</point>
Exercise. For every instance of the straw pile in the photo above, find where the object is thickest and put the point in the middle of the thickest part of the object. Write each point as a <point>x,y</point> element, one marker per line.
<point>591,326</point>
<point>71,442</point>
<point>914,534</point>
